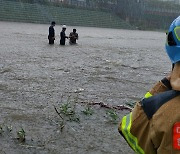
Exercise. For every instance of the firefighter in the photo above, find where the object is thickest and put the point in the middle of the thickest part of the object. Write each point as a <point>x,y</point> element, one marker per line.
<point>153,126</point>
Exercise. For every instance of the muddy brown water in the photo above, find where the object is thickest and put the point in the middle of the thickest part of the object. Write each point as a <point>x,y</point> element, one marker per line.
<point>113,66</point>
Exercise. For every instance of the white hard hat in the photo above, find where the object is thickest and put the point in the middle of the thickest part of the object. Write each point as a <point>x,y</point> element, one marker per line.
<point>64,26</point>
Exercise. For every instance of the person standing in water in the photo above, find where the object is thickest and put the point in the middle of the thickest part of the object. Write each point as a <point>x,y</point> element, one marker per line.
<point>63,35</point>
<point>51,36</point>
<point>73,36</point>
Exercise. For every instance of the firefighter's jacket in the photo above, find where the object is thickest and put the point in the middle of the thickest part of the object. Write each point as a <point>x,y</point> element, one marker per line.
<point>153,126</point>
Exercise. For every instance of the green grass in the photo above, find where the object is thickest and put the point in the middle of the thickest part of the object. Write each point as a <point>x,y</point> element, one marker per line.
<point>38,13</point>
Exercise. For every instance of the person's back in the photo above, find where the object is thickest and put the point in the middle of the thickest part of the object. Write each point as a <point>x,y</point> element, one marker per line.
<point>153,126</point>
<point>166,117</point>
<point>162,123</point>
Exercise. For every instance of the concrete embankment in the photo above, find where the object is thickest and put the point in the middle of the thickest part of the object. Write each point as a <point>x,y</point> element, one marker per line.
<point>42,13</point>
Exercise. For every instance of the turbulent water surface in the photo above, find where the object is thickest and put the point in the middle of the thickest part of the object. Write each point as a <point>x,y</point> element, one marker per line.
<point>112,66</point>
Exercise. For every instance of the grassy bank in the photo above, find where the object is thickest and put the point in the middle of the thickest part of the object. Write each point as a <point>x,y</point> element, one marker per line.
<point>43,13</point>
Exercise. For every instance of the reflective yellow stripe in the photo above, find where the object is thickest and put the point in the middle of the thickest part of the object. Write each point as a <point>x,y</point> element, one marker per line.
<point>147,95</point>
<point>132,140</point>
<point>177,32</point>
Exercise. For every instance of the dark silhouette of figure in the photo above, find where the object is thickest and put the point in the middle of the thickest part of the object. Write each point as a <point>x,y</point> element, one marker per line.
<point>51,35</point>
<point>63,35</point>
<point>73,36</point>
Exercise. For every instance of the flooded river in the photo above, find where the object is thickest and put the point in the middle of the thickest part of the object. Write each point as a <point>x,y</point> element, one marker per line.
<point>112,66</point>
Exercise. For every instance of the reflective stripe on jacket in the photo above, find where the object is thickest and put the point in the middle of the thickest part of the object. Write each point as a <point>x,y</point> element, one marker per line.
<point>132,140</point>
<point>154,135</point>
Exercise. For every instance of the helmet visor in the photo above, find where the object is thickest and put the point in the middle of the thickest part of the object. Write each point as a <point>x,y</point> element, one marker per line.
<point>177,32</point>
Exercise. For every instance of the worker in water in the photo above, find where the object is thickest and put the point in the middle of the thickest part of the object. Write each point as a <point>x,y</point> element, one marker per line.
<point>51,35</point>
<point>63,35</point>
<point>153,126</point>
<point>73,36</point>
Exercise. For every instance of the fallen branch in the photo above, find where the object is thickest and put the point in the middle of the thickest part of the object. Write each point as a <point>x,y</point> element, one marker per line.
<point>63,121</point>
<point>58,113</point>
<point>101,104</point>
<point>32,146</point>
